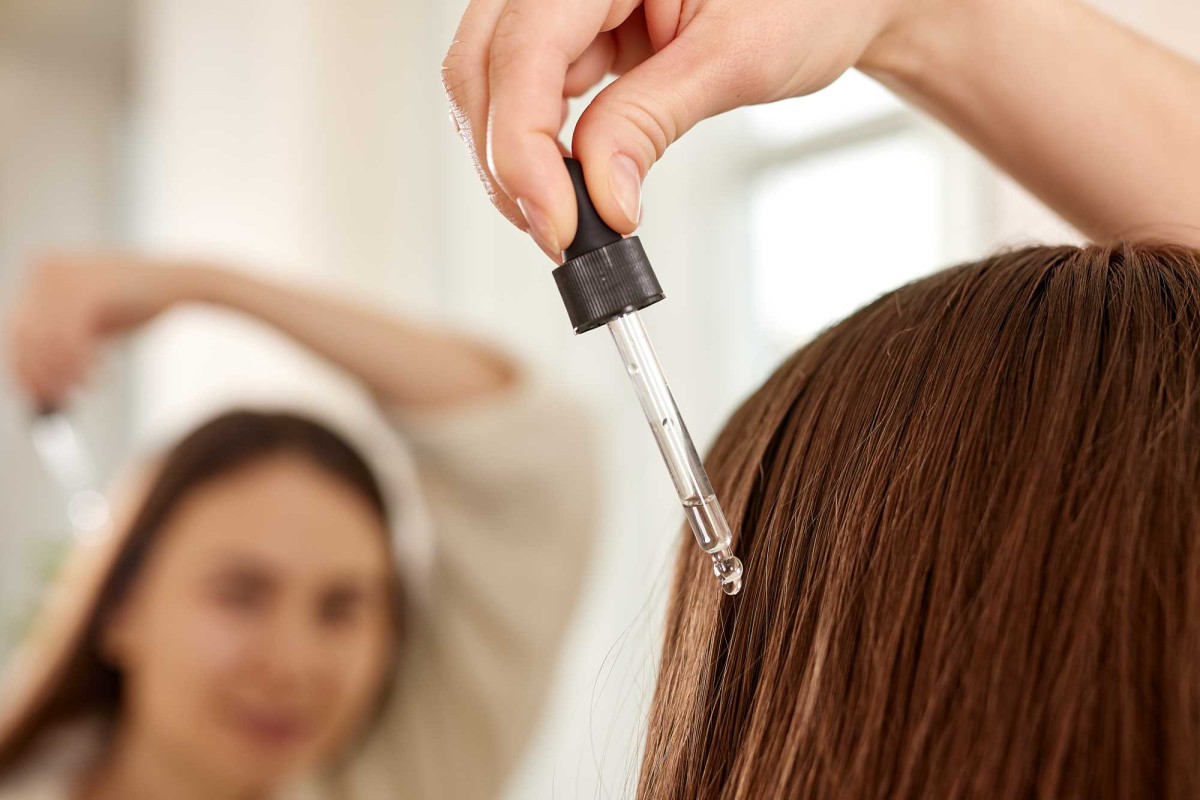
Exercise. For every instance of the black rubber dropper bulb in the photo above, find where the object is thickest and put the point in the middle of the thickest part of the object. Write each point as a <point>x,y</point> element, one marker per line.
<point>592,232</point>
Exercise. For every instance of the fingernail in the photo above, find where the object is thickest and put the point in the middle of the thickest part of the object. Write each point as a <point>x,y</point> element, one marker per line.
<point>554,255</point>
<point>625,181</point>
<point>540,226</point>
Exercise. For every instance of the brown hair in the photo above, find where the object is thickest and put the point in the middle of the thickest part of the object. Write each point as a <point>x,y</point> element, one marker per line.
<point>85,683</point>
<point>969,515</point>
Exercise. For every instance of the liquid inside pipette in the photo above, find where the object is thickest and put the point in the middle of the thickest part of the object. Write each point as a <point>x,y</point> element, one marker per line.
<point>700,506</point>
<point>705,515</point>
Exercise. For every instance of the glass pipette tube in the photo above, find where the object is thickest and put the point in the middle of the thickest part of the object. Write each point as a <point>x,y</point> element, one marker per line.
<point>67,460</point>
<point>700,505</point>
<point>605,279</point>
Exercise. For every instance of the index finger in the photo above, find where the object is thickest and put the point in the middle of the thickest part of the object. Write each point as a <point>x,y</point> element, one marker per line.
<point>534,44</point>
<point>465,79</point>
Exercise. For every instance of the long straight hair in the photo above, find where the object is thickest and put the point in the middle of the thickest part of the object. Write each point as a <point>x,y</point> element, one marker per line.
<point>970,517</point>
<point>85,684</point>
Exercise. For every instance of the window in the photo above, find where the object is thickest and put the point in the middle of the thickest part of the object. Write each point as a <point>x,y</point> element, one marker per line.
<point>850,199</point>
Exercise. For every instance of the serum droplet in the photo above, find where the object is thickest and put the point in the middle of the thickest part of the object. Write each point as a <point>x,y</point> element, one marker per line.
<point>729,573</point>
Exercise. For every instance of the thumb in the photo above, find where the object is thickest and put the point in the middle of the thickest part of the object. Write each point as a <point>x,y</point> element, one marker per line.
<point>630,124</point>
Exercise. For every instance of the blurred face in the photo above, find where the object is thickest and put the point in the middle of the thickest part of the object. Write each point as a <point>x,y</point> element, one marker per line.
<point>259,629</point>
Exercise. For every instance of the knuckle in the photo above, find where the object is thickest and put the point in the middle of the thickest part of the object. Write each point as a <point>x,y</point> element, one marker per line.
<point>503,59</point>
<point>652,118</point>
<point>509,28</point>
<point>457,76</point>
<point>512,48</point>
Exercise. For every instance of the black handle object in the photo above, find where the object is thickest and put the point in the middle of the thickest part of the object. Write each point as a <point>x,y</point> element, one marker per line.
<point>605,276</point>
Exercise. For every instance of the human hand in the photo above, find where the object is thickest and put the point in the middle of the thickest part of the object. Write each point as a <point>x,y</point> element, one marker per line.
<point>514,63</point>
<point>69,306</point>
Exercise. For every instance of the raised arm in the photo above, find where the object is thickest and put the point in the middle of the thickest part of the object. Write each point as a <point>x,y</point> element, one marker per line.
<point>1098,122</point>
<point>402,363</point>
<point>73,304</point>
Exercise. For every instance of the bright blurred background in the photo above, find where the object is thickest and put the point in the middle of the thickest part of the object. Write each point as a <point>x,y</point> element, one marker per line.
<point>311,139</point>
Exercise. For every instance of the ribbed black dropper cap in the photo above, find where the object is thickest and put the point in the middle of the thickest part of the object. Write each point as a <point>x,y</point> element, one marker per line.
<point>605,276</point>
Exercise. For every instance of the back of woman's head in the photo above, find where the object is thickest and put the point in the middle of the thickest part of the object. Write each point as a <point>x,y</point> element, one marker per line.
<point>970,517</point>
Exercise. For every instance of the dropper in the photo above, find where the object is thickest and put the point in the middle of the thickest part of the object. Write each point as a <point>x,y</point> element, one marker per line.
<point>67,460</point>
<point>606,280</point>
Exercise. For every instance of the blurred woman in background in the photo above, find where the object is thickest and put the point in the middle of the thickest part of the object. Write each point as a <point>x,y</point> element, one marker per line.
<point>246,631</point>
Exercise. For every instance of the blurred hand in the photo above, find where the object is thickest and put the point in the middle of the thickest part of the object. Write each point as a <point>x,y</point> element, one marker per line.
<point>514,62</point>
<point>68,307</point>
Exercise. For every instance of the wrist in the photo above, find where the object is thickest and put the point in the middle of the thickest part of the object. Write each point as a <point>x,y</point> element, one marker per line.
<point>932,41</point>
